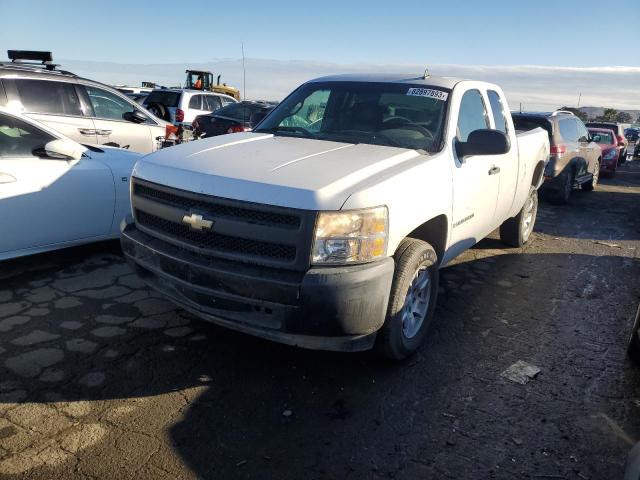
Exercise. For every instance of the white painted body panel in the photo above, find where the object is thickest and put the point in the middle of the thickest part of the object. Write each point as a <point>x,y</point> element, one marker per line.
<point>321,175</point>
<point>47,204</point>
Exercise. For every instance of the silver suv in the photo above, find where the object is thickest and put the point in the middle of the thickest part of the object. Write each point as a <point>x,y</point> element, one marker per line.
<point>182,106</point>
<point>83,110</point>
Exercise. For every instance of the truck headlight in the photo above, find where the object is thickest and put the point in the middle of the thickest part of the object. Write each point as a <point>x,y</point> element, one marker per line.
<point>350,236</point>
<point>610,155</point>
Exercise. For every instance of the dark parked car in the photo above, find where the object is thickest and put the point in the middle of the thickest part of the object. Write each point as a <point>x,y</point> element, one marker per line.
<point>606,139</point>
<point>574,161</point>
<point>632,134</point>
<point>237,117</point>
<point>619,131</point>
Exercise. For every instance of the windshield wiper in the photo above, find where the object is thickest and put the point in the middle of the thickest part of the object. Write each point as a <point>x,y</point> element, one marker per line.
<point>281,129</point>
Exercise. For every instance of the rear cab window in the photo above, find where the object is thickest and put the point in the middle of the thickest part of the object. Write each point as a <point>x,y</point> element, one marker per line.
<point>48,97</point>
<point>163,97</point>
<point>497,110</point>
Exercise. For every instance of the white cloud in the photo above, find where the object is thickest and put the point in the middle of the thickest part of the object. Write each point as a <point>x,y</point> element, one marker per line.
<point>537,87</point>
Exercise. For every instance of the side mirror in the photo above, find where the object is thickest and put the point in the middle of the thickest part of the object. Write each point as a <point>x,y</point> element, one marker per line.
<point>256,118</point>
<point>484,142</point>
<point>60,150</point>
<point>136,116</point>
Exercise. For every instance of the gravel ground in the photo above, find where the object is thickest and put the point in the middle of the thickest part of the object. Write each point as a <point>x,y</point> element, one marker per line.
<point>100,378</point>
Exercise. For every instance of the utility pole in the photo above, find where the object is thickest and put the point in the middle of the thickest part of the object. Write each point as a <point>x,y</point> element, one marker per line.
<point>244,75</point>
<point>579,98</point>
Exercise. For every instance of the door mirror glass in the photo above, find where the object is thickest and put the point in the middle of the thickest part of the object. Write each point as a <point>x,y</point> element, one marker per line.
<point>484,142</point>
<point>60,150</point>
<point>136,116</point>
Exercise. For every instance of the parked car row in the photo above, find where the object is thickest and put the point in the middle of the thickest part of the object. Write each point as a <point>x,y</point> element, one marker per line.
<point>81,109</point>
<point>575,159</point>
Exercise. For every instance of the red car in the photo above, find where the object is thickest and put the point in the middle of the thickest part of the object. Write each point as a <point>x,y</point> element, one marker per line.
<point>608,143</point>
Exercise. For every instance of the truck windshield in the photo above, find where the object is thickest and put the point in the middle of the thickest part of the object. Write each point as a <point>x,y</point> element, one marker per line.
<point>391,114</point>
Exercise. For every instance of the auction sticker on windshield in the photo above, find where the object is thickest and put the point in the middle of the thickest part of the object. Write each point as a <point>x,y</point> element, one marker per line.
<point>427,92</point>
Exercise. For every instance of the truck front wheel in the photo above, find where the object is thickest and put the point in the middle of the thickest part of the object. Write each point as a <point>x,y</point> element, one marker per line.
<point>412,300</point>
<point>516,231</point>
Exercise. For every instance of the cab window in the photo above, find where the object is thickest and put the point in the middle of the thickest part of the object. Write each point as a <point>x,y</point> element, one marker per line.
<point>497,110</point>
<point>107,105</point>
<point>19,138</point>
<point>48,97</point>
<point>472,115</point>
<point>196,102</point>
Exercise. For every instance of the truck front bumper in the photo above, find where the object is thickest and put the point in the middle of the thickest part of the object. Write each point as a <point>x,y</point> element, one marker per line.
<point>325,308</point>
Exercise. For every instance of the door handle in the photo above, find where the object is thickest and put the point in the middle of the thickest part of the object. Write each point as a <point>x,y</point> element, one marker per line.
<point>6,178</point>
<point>87,131</point>
<point>104,133</point>
<point>494,170</point>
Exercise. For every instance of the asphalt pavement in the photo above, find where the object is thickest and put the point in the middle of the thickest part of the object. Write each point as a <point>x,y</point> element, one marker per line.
<point>102,379</point>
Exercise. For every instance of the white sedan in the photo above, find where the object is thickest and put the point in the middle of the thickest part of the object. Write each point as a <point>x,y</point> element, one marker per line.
<point>56,193</point>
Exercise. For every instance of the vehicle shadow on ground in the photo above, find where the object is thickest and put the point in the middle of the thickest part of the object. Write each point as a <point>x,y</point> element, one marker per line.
<point>595,215</point>
<point>255,409</point>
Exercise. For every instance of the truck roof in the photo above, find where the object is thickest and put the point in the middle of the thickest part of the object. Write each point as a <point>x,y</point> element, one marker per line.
<point>433,81</point>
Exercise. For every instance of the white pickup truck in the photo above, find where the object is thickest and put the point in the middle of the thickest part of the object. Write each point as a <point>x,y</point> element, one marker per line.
<point>325,227</point>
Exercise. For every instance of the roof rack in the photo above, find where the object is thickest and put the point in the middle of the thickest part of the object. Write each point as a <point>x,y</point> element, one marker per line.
<point>33,60</point>
<point>564,112</point>
<point>20,56</point>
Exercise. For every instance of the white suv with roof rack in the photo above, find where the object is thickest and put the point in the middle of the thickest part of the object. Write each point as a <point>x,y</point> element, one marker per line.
<point>84,110</point>
<point>181,106</point>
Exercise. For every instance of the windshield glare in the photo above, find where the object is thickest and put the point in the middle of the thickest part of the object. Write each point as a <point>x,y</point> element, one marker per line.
<point>398,115</point>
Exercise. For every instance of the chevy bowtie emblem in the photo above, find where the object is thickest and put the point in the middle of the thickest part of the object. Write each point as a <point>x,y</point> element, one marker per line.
<point>197,222</point>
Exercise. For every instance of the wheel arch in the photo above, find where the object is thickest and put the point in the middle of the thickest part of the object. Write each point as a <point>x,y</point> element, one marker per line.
<point>538,174</point>
<point>435,232</point>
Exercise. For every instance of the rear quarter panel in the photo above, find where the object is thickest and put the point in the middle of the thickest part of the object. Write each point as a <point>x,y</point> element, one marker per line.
<point>533,149</point>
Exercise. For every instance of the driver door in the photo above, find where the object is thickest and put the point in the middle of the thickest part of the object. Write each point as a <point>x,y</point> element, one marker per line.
<point>476,179</point>
<point>111,127</point>
<point>44,202</point>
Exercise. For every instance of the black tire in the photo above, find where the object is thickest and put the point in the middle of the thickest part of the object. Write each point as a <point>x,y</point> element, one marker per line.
<point>159,111</point>
<point>633,346</point>
<point>623,157</point>
<point>591,184</point>
<point>563,193</point>
<point>411,256</point>
<point>514,230</point>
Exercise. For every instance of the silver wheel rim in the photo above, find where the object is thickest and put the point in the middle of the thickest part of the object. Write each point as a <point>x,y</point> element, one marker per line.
<point>529,217</point>
<point>416,303</point>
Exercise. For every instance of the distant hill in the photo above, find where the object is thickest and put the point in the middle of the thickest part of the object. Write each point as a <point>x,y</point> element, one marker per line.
<point>594,112</point>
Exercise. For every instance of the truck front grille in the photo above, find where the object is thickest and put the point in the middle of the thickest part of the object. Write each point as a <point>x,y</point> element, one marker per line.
<point>213,241</point>
<point>229,211</point>
<point>243,231</point>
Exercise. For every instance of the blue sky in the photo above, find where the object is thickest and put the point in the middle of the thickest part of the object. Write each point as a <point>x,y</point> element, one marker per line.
<point>287,42</point>
<point>461,32</point>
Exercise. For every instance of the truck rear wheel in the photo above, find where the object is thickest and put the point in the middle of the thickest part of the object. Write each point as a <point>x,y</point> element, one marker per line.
<point>516,231</point>
<point>412,300</point>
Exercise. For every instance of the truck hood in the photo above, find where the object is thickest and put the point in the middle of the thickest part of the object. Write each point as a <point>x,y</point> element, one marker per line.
<point>276,170</point>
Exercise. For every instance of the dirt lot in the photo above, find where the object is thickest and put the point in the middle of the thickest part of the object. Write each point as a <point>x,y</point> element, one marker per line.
<point>99,378</point>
